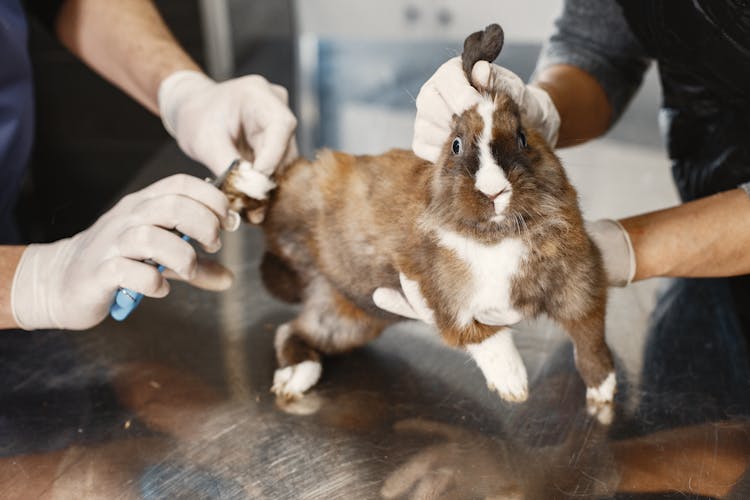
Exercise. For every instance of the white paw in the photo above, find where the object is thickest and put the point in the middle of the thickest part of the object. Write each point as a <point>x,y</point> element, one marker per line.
<point>502,366</point>
<point>604,412</point>
<point>510,382</point>
<point>292,381</point>
<point>600,400</point>
<point>605,393</point>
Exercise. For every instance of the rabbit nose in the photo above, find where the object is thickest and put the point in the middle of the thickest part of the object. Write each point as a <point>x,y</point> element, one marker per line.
<point>492,197</point>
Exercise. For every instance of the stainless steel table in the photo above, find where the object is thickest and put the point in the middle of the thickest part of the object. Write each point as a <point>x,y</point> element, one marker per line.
<point>175,403</point>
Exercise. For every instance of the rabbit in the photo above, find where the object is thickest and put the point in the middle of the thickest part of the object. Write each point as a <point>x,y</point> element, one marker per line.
<point>493,225</point>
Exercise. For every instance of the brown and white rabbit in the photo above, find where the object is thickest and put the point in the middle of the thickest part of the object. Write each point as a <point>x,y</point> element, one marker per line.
<point>493,225</point>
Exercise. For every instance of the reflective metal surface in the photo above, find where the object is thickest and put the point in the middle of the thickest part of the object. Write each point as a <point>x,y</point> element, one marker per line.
<point>175,403</point>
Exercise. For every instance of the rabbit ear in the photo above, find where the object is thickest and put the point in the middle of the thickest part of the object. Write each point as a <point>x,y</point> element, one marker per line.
<point>482,46</point>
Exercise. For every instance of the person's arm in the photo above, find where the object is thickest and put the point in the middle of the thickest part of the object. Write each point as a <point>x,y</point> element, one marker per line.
<point>591,67</point>
<point>704,238</point>
<point>9,257</point>
<point>126,42</point>
<point>709,237</point>
<point>585,111</point>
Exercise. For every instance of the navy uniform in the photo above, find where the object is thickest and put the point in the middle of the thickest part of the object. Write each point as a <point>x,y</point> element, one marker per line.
<point>16,112</point>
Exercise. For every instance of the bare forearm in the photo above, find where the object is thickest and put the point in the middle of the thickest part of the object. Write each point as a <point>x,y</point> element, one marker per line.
<point>126,42</point>
<point>9,257</point>
<point>585,112</point>
<point>709,237</point>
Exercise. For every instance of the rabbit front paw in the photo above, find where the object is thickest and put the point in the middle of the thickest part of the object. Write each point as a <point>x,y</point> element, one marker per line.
<point>502,366</point>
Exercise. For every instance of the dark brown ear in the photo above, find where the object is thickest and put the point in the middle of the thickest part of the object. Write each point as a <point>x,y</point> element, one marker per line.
<point>482,46</point>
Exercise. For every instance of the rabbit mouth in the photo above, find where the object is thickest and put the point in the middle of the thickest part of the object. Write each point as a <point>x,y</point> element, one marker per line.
<point>500,202</point>
<point>497,218</point>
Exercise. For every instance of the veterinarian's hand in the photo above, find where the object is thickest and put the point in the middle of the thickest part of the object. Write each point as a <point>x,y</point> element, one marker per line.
<point>210,120</point>
<point>448,92</point>
<point>616,248</point>
<point>410,304</point>
<point>71,283</point>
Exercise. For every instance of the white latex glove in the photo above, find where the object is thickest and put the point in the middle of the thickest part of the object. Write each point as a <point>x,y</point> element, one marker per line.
<point>448,92</point>
<point>616,248</point>
<point>207,119</point>
<point>411,304</point>
<point>70,284</point>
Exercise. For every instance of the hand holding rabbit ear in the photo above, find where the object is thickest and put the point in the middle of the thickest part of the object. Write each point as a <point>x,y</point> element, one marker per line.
<point>448,92</point>
<point>207,119</point>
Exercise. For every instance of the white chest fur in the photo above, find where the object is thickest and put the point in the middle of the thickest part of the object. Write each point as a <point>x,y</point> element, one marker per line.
<point>493,268</point>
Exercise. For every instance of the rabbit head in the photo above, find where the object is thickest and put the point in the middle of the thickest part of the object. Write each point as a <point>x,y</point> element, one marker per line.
<point>494,176</point>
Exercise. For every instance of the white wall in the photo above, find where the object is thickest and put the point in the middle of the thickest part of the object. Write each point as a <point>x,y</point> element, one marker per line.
<point>522,20</point>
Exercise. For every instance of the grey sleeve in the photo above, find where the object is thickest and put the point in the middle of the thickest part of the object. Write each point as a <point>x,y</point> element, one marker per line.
<point>594,36</point>
<point>745,187</point>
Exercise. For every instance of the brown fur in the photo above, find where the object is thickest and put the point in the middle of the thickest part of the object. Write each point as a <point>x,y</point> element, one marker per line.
<point>349,224</point>
<point>281,280</point>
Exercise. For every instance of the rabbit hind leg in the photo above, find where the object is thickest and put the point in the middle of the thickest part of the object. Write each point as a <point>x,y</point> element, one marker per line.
<point>328,324</point>
<point>299,363</point>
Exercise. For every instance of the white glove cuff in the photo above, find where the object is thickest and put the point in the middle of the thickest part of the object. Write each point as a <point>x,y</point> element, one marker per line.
<point>616,248</point>
<point>550,117</point>
<point>631,252</point>
<point>172,92</point>
<point>31,307</point>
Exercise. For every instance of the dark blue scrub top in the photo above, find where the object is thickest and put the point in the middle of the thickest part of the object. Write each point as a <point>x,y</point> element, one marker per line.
<point>16,112</point>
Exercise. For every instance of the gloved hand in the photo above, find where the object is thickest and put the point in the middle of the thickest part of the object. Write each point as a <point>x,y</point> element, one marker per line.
<point>70,284</point>
<point>448,92</point>
<point>608,234</point>
<point>208,119</point>
<point>616,248</point>
<point>410,303</point>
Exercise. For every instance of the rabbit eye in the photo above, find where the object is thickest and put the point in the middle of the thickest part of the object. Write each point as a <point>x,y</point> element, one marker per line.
<point>458,146</point>
<point>522,140</point>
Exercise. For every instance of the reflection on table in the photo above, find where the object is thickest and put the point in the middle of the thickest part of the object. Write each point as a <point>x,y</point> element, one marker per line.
<point>175,403</point>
